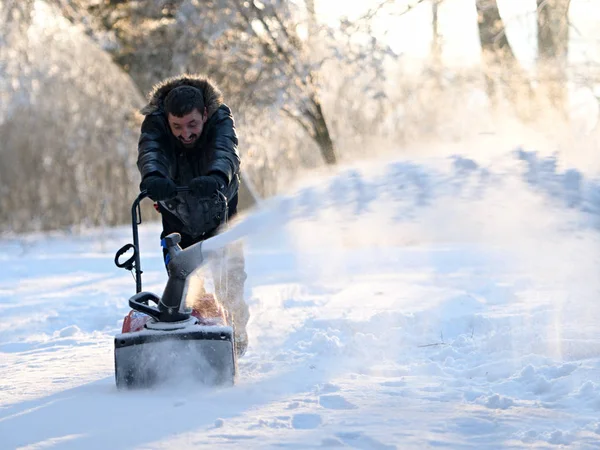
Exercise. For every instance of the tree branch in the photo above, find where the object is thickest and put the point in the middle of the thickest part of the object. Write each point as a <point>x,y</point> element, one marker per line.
<point>298,120</point>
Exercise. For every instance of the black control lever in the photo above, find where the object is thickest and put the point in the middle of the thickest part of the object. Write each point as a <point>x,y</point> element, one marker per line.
<point>129,263</point>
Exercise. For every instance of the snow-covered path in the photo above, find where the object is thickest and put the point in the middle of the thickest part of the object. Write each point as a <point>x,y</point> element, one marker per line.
<point>440,304</point>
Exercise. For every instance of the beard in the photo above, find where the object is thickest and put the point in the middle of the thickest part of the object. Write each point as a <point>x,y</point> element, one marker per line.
<point>190,143</point>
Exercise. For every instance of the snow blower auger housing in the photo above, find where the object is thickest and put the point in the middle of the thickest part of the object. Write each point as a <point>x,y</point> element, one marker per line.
<point>184,333</point>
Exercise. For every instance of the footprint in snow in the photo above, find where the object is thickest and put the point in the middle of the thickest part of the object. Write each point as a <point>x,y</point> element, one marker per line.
<point>557,437</point>
<point>69,331</point>
<point>498,402</point>
<point>530,436</point>
<point>327,388</point>
<point>335,402</point>
<point>359,440</point>
<point>277,422</point>
<point>306,421</point>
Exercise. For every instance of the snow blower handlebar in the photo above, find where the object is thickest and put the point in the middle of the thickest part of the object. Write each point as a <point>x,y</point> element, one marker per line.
<point>133,262</point>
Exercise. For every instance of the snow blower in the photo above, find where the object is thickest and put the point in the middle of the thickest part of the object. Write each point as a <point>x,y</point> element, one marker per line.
<point>185,332</point>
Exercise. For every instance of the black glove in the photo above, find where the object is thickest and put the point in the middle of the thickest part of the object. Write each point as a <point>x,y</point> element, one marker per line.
<point>206,186</point>
<point>158,187</point>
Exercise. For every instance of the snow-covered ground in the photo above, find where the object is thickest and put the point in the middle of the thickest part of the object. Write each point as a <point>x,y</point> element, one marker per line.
<point>443,302</point>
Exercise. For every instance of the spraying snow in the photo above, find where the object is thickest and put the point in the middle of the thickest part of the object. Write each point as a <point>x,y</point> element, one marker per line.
<point>408,304</point>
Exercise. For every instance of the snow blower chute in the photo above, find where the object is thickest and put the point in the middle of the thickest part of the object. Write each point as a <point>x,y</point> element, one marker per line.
<point>185,332</point>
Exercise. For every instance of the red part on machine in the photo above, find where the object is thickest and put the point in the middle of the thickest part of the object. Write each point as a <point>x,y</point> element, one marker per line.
<point>206,309</point>
<point>134,321</point>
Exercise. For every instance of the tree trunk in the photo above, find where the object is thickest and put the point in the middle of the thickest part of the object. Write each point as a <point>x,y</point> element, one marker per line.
<point>312,21</point>
<point>553,49</point>
<point>321,133</point>
<point>15,63</point>
<point>436,47</point>
<point>502,71</point>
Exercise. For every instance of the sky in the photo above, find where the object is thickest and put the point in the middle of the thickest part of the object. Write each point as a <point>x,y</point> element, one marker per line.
<point>411,34</point>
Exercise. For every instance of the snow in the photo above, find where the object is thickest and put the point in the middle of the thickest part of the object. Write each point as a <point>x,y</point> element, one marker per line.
<point>437,302</point>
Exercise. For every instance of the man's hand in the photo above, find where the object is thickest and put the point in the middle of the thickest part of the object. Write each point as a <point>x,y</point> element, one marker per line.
<point>159,187</point>
<point>206,186</point>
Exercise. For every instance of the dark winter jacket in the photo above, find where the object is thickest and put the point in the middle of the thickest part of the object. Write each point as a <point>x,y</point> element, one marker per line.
<point>159,152</point>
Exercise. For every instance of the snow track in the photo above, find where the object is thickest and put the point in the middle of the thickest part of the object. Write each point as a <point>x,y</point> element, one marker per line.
<point>443,303</point>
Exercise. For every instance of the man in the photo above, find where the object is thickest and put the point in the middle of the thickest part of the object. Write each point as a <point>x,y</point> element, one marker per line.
<point>188,138</point>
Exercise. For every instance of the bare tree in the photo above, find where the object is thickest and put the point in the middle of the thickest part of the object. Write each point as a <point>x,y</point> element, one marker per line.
<point>436,45</point>
<point>272,28</point>
<point>266,54</point>
<point>553,49</point>
<point>15,66</point>
<point>502,71</point>
<point>66,129</point>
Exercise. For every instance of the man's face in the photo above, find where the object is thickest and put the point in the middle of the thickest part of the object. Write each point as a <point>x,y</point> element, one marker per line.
<point>189,127</point>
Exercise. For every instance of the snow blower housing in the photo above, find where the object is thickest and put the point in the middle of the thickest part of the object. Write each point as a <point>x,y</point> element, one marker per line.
<point>184,332</point>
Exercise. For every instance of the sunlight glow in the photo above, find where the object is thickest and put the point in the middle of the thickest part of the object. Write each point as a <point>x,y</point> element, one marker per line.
<point>411,34</point>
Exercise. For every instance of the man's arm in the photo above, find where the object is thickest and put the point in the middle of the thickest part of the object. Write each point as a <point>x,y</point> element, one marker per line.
<point>152,158</point>
<point>224,141</point>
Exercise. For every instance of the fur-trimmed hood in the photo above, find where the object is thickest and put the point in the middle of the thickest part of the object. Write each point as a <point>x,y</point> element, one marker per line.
<point>213,97</point>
